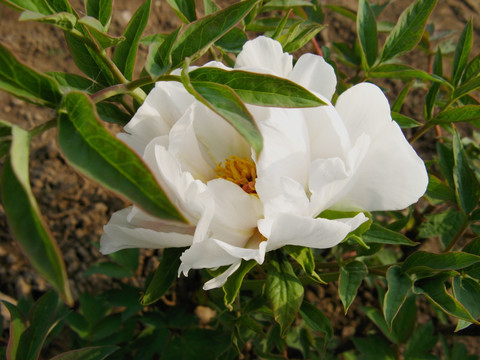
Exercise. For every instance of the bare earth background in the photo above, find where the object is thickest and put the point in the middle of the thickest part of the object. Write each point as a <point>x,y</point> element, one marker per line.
<point>77,208</point>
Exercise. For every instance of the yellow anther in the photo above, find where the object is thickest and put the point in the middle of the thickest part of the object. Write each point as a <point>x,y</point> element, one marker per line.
<point>239,171</point>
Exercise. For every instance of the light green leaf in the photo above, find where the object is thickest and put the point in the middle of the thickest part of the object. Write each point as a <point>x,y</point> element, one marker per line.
<point>284,291</point>
<point>225,102</point>
<point>399,285</point>
<point>159,59</point>
<point>25,83</point>
<point>259,89</point>
<point>25,219</point>
<point>63,20</point>
<point>316,320</point>
<point>422,260</point>
<point>89,353</point>
<point>467,187</point>
<point>282,4</point>
<point>465,88</point>
<point>126,52</point>
<point>409,29</point>
<point>467,113</point>
<point>467,292</point>
<point>210,6</point>
<point>434,289</point>
<point>232,286</point>
<point>381,235</point>
<point>90,148</point>
<point>464,45</point>
<point>351,276</point>
<point>400,71</point>
<point>367,33</point>
<point>405,122</point>
<point>164,276</point>
<point>99,33</point>
<point>198,36</point>
<point>17,326</point>
<point>185,9</point>
<point>299,35</point>
<point>100,10</point>
<point>40,6</point>
<point>304,257</point>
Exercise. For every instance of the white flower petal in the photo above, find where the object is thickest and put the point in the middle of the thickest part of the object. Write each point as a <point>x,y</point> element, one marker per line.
<point>315,74</point>
<point>121,234</point>
<point>221,279</point>
<point>264,55</point>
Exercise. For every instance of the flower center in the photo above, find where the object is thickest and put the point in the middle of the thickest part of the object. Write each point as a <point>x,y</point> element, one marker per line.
<point>242,172</point>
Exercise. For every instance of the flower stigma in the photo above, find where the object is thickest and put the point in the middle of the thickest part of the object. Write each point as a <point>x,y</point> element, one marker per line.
<point>242,172</point>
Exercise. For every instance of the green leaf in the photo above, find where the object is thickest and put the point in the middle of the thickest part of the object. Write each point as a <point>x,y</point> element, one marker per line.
<point>259,89</point>
<point>409,29</point>
<point>422,260</point>
<point>284,291</point>
<point>400,99</point>
<point>282,4</point>
<point>89,353</point>
<point>111,113</point>
<point>405,122</point>
<point>374,347</point>
<point>316,320</point>
<point>304,257</point>
<point>467,113</point>
<point>185,9</point>
<point>464,45</point>
<point>367,33</point>
<point>225,102</point>
<point>432,93</point>
<point>467,187</point>
<point>63,20</point>
<point>472,70</point>
<point>439,191</point>
<point>17,326</point>
<point>69,82</point>
<point>466,88</point>
<point>231,288</point>
<point>164,276</point>
<point>342,10</point>
<point>25,83</point>
<point>299,35</point>
<point>24,217</point>
<point>351,276</point>
<point>232,41</point>
<point>198,36</point>
<point>109,269</point>
<point>159,59</point>
<point>445,162</point>
<point>210,7</point>
<point>40,6</point>
<point>90,148</point>
<point>399,285</point>
<point>376,317</point>
<point>400,71</point>
<point>421,342</point>
<point>434,289</point>
<point>100,10</point>
<point>5,137</point>
<point>41,320</point>
<point>381,235</point>
<point>467,292</point>
<point>99,33</point>
<point>446,225</point>
<point>126,52</point>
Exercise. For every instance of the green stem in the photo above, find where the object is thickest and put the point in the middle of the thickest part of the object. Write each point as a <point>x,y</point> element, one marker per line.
<point>39,129</point>
<point>420,133</point>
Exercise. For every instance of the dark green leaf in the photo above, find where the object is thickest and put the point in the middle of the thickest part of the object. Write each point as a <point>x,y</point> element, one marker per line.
<point>467,187</point>
<point>399,285</point>
<point>316,320</point>
<point>99,33</point>
<point>398,103</point>
<point>473,247</point>
<point>40,6</point>
<point>349,14</point>
<point>432,93</point>
<point>89,147</point>
<point>376,317</point>
<point>367,32</point>
<point>25,83</point>
<point>111,113</point>
<point>232,41</point>
<point>106,327</point>
<point>185,9</point>
<point>434,289</point>
<point>405,122</point>
<point>210,6</point>
<point>63,20</point>
<point>232,286</point>
<point>381,235</point>
<point>225,102</point>
<point>409,29</point>
<point>439,191</point>
<point>467,113</point>
<point>404,323</point>
<point>466,88</point>
<point>164,276</point>
<point>69,82</point>
<point>282,4</point>
<point>159,59</point>
<point>284,291</point>
<point>421,260</point>
<point>100,10</point>
<point>5,137</point>
<point>421,342</point>
<point>126,52</point>
<point>152,39</point>
<point>375,347</point>
<point>400,71</point>
<point>304,257</point>
<point>446,225</point>
<point>25,219</point>
<point>445,161</point>
<point>467,293</point>
<point>259,89</point>
<point>197,37</point>
<point>464,45</point>
<point>17,326</point>
<point>89,353</point>
<point>472,70</point>
<point>351,276</point>
<point>109,269</point>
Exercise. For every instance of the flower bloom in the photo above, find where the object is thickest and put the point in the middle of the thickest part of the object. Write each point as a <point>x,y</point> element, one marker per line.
<point>349,156</point>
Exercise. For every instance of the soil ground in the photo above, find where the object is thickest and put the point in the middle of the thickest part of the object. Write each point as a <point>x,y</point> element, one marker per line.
<point>77,208</point>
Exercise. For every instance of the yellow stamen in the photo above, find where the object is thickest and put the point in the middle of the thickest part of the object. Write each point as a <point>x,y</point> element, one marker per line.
<point>239,171</point>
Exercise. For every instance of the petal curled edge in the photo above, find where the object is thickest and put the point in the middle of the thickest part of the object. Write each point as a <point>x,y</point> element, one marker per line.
<point>120,234</point>
<point>314,73</point>
<point>264,55</point>
<point>221,279</point>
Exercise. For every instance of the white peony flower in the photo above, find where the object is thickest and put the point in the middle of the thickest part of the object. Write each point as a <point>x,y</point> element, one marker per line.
<point>350,156</point>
